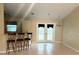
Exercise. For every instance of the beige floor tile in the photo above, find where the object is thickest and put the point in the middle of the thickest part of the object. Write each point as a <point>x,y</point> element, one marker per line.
<point>46,49</point>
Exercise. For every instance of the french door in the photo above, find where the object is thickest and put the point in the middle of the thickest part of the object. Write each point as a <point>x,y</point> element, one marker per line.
<point>45,32</point>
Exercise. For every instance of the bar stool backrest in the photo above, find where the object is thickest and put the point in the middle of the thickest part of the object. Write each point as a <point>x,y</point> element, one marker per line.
<point>11,36</point>
<point>21,35</point>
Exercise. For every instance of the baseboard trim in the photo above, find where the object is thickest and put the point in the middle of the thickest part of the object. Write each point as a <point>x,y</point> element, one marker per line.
<point>57,41</point>
<point>71,47</point>
<point>50,42</point>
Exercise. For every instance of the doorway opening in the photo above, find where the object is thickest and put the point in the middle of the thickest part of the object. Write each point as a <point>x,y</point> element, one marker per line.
<point>45,32</point>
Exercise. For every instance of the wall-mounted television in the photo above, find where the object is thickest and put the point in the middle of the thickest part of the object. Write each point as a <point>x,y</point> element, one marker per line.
<point>11,27</point>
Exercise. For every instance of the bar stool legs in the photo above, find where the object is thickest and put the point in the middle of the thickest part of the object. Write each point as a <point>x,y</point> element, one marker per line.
<point>10,45</point>
<point>26,42</point>
<point>20,45</point>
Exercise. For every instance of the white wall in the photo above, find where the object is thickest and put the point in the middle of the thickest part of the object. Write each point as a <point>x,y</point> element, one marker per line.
<point>30,26</point>
<point>71,30</point>
<point>2,35</point>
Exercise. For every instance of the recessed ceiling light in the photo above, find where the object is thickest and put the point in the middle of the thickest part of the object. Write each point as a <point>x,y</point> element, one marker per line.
<point>32,13</point>
<point>48,13</point>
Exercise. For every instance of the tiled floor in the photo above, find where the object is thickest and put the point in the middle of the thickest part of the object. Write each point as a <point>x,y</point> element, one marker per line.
<point>46,49</point>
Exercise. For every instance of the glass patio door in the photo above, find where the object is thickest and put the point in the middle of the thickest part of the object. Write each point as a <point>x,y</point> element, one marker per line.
<point>45,33</point>
<point>41,32</point>
<point>50,32</point>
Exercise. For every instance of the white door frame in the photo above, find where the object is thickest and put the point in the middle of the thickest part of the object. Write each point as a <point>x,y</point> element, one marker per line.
<point>45,32</point>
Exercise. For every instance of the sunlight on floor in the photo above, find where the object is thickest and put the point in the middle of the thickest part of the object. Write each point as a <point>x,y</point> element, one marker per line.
<point>45,49</point>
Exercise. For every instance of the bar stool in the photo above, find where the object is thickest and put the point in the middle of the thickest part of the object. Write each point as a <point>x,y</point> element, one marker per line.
<point>11,42</point>
<point>28,39</point>
<point>26,42</point>
<point>20,41</point>
<point>29,36</point>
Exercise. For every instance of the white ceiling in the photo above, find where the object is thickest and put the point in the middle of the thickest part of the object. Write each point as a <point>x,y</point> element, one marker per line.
<point>43,10</point>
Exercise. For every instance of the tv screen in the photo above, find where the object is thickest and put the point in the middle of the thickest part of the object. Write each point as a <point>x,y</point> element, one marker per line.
<point>11,28</point>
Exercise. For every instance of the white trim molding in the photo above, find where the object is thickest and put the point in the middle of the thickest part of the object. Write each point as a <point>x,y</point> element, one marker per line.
<point>56,41</point>
<point>71,47</point>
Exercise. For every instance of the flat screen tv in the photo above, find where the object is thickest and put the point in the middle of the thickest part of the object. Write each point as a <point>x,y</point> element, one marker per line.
<point>11,28</point>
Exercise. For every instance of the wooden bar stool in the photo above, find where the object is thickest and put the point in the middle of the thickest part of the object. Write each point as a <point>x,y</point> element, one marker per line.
<point>26,42</point>
<point>20,41</point>
<point>11,42</point>
<point>29,35</point>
